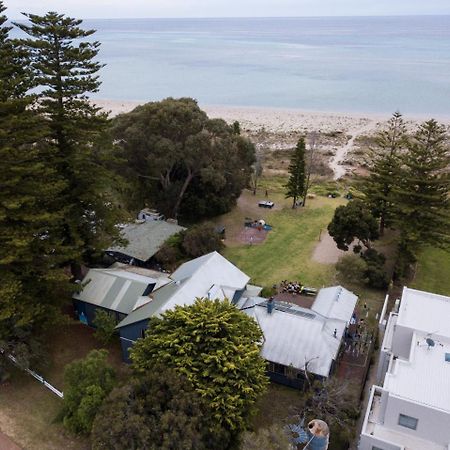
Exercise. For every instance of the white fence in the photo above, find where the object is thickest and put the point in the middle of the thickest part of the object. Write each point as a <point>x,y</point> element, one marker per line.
<point>39,378</point>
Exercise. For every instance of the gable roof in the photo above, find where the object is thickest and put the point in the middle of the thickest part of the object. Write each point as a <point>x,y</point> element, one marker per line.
<point>209,274</point>
<point>145,239</point>
<point>116,289</point>
<point>335,303</point>
<point>295,336</point>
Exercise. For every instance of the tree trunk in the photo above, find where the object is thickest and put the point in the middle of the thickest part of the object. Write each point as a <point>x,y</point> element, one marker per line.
<point>186,183</point>
<point>293,203</point>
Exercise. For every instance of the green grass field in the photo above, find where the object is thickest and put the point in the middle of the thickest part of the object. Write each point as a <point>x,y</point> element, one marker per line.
<point>286,253</point>
<point>433,271</point>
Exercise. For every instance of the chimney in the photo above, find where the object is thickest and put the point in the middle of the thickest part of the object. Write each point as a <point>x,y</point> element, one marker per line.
<point>270,305</point>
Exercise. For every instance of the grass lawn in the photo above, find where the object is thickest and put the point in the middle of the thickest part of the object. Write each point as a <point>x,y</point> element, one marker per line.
<point>29,411</point>
<point>286,253</point>
<point>433,271</point>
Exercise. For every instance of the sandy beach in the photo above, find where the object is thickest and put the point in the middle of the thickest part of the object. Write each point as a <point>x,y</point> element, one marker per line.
<point>276,129</point>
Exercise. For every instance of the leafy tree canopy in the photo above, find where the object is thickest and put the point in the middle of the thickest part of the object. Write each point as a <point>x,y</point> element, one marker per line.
<point>216,347</point>
<point>353,221</point>
<point>384,165</point>
<point>181,161</point>
<point>423,193</point>
<point>32,284</point>
<point>295,186</point>
<point>86,384</point>
<point>200,240</point>
<point>158,411</point>
<point>63,63</point>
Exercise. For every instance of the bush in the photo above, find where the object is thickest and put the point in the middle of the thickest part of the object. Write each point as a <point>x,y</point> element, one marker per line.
<point>200,240</point>
<point>158,411</point>
<point>375,273</point>
<point>352,268</point>
<point>105,326</point>
<point>86,384</point>
<point>216,347</point>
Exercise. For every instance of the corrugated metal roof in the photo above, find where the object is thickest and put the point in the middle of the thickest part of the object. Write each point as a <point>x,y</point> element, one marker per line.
<point>335,303</point>
<point>425,311</point>
<point>209,273</point>
<point>294,339</point>
<point>145,239</point>
<point>425,377</point>
<point>115,289</point>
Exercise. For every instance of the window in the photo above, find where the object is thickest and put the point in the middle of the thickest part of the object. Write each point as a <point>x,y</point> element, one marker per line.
<point>148,289</point>
<point>408,422</point>
<point>447,357</point>
<point>376,448</point>
<point>277,368</point>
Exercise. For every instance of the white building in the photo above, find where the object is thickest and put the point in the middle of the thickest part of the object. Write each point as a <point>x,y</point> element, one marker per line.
<point>410,409</point>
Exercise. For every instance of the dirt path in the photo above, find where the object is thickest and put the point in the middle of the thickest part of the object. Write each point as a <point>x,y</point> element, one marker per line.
<point>336,162</point>
<point>326,251</point>
<point>7,444</point>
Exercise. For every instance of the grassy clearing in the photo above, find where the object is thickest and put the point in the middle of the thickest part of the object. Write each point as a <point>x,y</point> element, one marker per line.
<point>286,254</point>
<point>433,270</point>
<point>29,411</point>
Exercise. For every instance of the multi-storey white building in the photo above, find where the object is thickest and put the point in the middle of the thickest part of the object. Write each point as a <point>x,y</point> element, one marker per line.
<point>410,408</point>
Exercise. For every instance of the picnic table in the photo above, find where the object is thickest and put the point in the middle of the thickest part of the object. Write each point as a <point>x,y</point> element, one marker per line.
<point>266,204</point>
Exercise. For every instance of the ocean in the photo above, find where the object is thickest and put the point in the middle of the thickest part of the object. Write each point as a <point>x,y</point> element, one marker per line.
<point>357,64</point>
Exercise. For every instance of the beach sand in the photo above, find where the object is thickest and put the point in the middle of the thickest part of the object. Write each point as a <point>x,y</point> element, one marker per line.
<point>274,129</point>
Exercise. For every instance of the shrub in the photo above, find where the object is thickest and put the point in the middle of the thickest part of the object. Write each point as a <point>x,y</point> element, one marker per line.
<point>216,347</point>
<point>352,268</point>
<point>200,240</point>
<point>105,326</point>
<point>157,411</point>
<point>86,384</point>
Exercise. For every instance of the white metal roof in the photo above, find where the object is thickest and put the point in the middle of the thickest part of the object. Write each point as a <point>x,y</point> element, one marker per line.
<point>335,303</point>
<point>116,289</point>
<point>297,335</point>
<point>425,377</point>
<point>425,311</point>
<point>209,274</point>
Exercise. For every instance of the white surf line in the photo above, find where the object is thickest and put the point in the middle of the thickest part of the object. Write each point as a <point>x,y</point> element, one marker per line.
<point>336,162</point>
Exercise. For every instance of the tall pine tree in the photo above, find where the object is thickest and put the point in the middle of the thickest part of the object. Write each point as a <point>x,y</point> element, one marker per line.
<point>65,72</point>
<point>29,274</point>
<point>384,167</point>
<point>422,194</point>
<point>295,187</point>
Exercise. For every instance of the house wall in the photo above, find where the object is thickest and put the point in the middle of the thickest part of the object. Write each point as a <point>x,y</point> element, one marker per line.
<point>90,311</point>
<point>126,259</point>
<point>369,442</point>
<point>433,424</point>
<point>129,335</point>
<point>401,343</point>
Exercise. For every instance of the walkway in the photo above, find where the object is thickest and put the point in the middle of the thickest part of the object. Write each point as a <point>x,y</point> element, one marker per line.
<point>7,444</point>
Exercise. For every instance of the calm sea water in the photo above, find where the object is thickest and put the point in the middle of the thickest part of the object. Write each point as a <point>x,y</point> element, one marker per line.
<point>371,64</point>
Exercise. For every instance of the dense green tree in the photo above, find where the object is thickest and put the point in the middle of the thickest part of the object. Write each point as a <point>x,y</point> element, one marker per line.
<point>351,222</point>
<point>295,186</point>
<point>87,383</point>
<point>216,347</point>
<point>384,164</point>
<point>65,71</point>
<point>105,326</point>
<point>158,411</point>
<point>181,161</point>
<point>200,240</point>
<point>31,283</point>
<point>423,192</point>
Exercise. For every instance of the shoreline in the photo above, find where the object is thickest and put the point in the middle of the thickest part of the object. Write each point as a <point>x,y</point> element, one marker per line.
<point>283,120</point>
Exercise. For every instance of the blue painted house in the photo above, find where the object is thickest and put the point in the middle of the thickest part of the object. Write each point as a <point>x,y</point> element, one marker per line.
<point>118,290</point>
